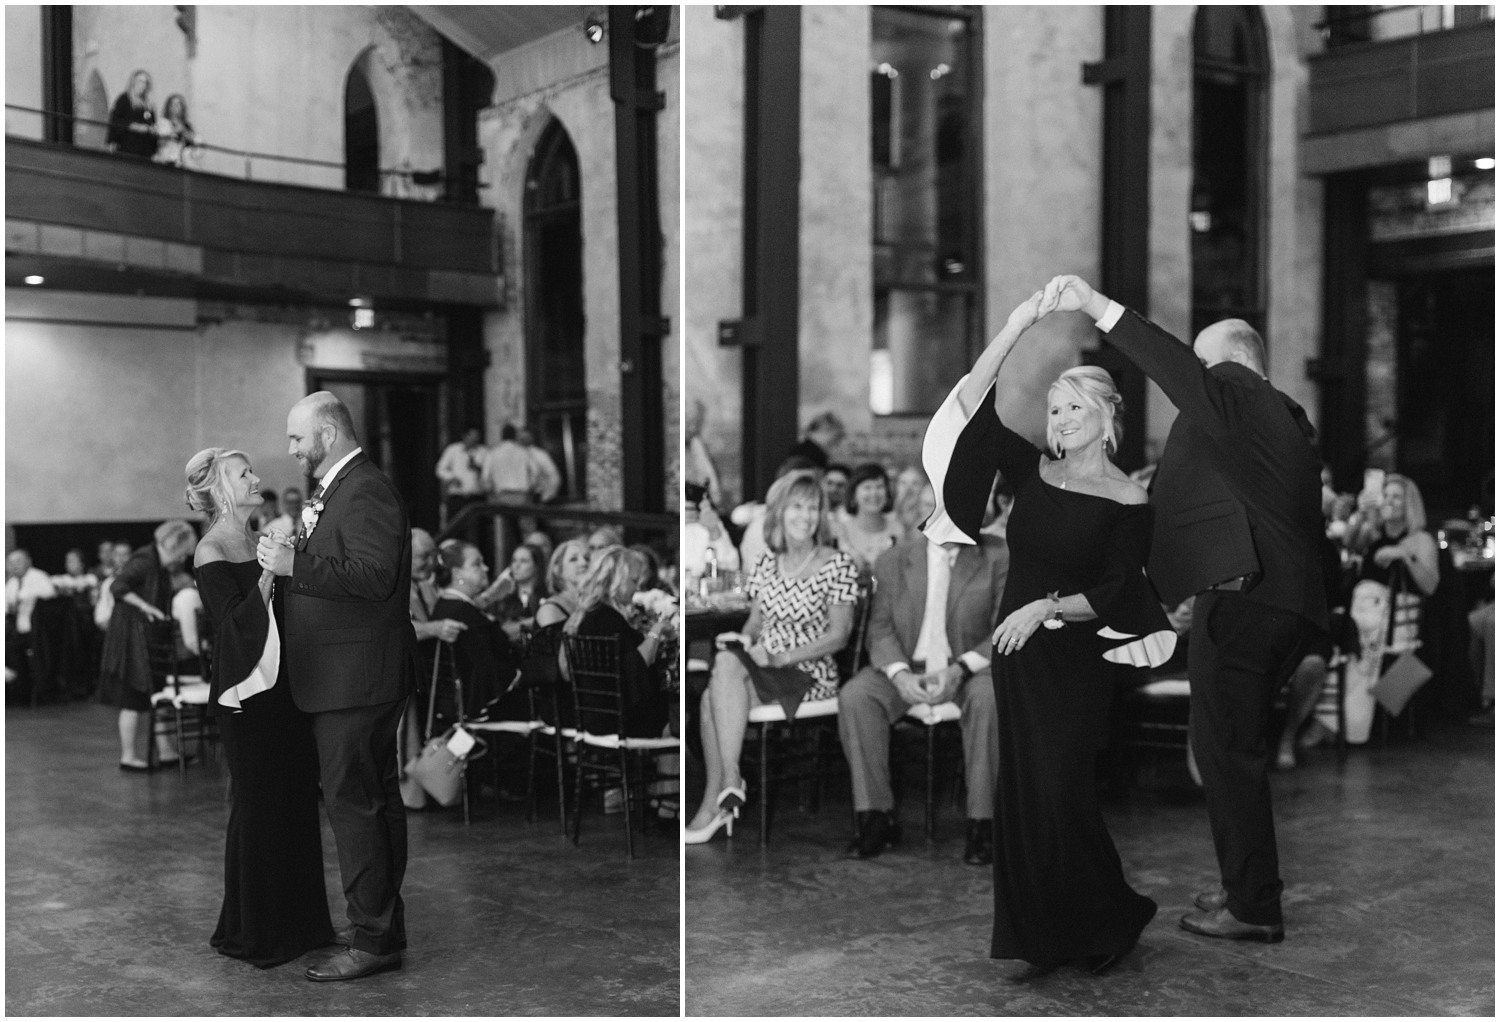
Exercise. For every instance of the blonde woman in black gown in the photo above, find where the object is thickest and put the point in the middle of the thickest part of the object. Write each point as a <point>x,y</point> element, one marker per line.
<point>275,906</point>
<point>1076,602</point>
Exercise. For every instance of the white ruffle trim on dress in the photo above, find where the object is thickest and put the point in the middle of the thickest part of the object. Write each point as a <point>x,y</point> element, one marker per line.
<point>937,453</point>
<point>263,677</point>
<point>1147,651</point>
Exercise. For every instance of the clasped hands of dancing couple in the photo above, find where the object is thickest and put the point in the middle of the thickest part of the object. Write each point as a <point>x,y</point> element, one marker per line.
<point>314,659</point>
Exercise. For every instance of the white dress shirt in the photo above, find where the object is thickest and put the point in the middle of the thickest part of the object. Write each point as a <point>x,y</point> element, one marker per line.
<point>933,647</point>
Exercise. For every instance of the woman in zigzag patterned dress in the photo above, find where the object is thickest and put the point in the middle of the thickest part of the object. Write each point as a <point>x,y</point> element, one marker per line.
<point>802,594</point>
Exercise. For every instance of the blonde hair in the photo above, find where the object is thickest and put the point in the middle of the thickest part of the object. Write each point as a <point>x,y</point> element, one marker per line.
<point>208,483</point>
<point>801,483</point>
<point>1095,389</point>
<point>177,538</point>
<point>1416,508</point>
<point>555,581</point>
<point>613,577</point>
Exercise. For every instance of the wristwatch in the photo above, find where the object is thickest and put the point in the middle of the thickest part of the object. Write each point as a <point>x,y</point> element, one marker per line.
<point>1055,621</point>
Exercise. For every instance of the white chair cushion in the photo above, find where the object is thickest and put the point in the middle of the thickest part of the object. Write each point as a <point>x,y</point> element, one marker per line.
<point>510,727</point>
<point>191,691</point>
<point>931,715</point>
<point>617,742</point>
<point>772,712</point>
<point>1167,688</point>
<point>694,665</point>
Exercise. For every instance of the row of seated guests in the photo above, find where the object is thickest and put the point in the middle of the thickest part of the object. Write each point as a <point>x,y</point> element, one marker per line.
<point>929,643</point>
<point>490,624</point>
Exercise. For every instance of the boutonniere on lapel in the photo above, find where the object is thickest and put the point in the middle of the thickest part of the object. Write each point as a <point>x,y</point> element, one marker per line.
<point>310,512</point>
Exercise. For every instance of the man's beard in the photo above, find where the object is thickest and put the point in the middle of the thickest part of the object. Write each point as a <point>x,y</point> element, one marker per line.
<point>316,456</point>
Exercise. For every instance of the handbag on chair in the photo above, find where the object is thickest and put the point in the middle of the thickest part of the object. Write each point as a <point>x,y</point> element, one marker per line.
<point>439,768</point>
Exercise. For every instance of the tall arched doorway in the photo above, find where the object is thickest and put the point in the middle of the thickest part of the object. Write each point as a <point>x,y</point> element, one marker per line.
<point>361,132</point>
<point>556,392</point>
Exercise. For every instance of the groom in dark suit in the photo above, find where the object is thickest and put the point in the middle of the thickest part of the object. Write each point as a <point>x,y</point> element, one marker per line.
<point>1238,521</point>
<point>351,663</point>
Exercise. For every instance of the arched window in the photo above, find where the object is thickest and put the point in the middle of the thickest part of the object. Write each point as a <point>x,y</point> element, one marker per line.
<point>556,393</point>
<point>361,132</point>
<point>1227,218</point>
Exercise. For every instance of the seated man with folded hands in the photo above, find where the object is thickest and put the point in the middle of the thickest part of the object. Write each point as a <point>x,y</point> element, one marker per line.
<point>930,642</point>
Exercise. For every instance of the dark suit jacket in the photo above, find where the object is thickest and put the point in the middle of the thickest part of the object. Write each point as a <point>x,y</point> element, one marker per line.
<point>974,589</point>
<point>1238,487</point>
<point>349,638</point>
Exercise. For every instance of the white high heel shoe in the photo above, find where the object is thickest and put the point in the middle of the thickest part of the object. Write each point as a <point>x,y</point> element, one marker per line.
<point>702,834</point>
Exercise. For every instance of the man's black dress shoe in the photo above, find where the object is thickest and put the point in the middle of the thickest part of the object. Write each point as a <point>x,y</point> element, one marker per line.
<point>1222,923</point>
<point>1211,901</point>
<point>878,830</point>
<point>352,963</point>
<point>979,845</point>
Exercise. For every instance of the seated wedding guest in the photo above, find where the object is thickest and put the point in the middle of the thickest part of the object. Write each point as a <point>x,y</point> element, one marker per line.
<point>836,489</point>
<point>424,591</point>
<point>870,529</point>
<point>186,606</point>
<point>752,516</point>
<point>605,609</point>
<point>1306,683</point>
<point>605,536</point>
<point>543,544</point>
<point>822,434</point>
<point>522,588</point>
<point>290,520</point>
<point>485,659</point>
<point>1393,542</point>
<point>702,532</point>
<point>566,571</point>
<point>802,597</point>
<point>132,120</point>
<point>652,576</point>
<point>697,463</point>
<point>142,591</point>
<point>929,641</point>
<point>911,483</point>
<point>174,132</point>
<point>459,469</point>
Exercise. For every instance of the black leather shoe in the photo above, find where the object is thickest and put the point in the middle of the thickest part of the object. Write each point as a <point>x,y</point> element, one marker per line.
<point>352,963</point>
<point>1211,901</point>
<point>1222,923</point>
<point>878,830</point>
<point>979,845</point>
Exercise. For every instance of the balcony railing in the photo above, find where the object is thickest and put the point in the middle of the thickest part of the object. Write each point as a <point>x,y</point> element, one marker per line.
<point>246,233</point>
<point>1419,76</point>
<point>1347,26</point>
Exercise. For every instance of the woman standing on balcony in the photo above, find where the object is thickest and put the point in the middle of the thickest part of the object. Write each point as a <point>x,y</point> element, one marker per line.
<point>175,131</point>
<point>132,121</point>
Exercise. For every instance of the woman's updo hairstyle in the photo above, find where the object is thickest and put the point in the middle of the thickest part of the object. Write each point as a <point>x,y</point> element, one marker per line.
<point>1094,388</point>
<point>451,556</point>
<point>208,481</point>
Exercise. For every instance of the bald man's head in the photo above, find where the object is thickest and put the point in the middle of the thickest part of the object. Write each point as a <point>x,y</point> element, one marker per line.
<point>1231,340</point>
<point>321,431</point>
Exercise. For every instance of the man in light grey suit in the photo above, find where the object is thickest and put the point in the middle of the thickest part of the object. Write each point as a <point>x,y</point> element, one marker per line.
<point>929,641</point>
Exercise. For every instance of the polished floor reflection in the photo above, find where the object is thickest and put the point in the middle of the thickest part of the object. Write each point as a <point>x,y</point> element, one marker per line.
<point>1390,908</point>
<point>113,882</point>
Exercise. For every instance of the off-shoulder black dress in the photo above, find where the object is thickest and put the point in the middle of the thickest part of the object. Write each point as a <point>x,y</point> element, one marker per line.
<point>275,902</point>
<point>1060,892</point>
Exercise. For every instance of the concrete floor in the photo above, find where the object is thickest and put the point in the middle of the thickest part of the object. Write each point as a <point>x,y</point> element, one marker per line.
<point>113,884</point>
<point>1390,907</point>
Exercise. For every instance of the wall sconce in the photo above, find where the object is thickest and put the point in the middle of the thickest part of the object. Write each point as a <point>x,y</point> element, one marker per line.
<point>593,26</point>
<point>1485,163</point>
<point>35,279</point>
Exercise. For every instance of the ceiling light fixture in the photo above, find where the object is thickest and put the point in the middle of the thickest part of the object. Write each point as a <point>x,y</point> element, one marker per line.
<point>35,279</point>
